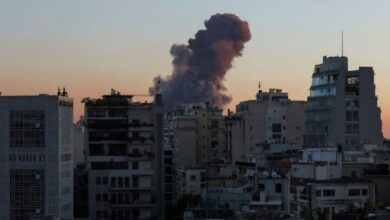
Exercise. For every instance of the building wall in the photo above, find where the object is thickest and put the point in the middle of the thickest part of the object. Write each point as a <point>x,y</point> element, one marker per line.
<point>272,118</point>
<point>184,140</point>
<point>125,158</point>
<point>199,136</point>
<point>337,196</point>
<point>342,106</point>
<point>50,163</point>
<point>272,194</point>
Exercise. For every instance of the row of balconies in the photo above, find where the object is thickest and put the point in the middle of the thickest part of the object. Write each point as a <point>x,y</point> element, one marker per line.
<point>124,138</point>
<point>108,123</point>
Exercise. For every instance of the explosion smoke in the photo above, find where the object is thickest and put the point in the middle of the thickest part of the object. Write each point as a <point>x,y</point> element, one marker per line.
<point>199,68</point>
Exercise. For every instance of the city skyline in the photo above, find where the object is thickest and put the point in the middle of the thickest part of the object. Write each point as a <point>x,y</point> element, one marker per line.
<point>92,47</point>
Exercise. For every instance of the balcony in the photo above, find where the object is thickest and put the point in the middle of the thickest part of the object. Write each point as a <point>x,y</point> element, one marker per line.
<point>107,124</point>
<point>141,140</point>
<point>138,203</point>
<point>132,188</point>
<point>141,156</point>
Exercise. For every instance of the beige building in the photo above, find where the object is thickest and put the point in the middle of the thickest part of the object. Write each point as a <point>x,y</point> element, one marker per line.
<point>271,118</point>
<point>198,135</point>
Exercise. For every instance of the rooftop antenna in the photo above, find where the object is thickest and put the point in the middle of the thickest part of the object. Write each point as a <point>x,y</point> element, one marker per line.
<point>259,85</point>
<point>342,43</point>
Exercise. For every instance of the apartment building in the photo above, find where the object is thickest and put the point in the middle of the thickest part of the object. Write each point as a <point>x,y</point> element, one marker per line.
<point>199,136</point>
<point>342,107</point>
<point>319,189</point>
<point>125,157</point>
<point>271,118</point>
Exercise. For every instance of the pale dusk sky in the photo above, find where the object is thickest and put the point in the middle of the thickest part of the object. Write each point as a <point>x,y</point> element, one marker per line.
<point>91,46</point>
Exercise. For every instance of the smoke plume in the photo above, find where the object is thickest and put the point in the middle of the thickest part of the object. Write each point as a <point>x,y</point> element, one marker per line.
<point>199,68</point>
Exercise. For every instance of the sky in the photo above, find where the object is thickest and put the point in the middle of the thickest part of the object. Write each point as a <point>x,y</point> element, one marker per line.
<point>91,46</point>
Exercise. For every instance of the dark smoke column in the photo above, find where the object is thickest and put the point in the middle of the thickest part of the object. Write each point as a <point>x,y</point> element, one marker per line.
<point>200,67</point>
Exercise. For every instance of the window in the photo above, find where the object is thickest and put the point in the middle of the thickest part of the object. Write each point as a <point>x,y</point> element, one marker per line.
<point>354,192</point>
<point>105,180</point>
<point>105,197</point>
<point>352,104</point>
<point>364,192</point>
<point>278,188</point>
<point>318,193</point>
<point>135,181</point>
<point>135,196</point>
<point>193,177</point>
<point>328,192</point>
<point>98,197</point>
<point>113,198</point>
<point>353,80</point>
<point>214,124</point>
<point>27,194</point>
<point>135,165</point>
<point>135,213</point>
<point>113,181</point>
<point>352,115</point>
<point>96,149</point>
<point>27,129</point>
<point>120,182</point>
<point>98,180</point>
<point>127,182</point>
<point>276,128</point>
<point>120,198</point>
<point>352,86</point>
<point>261,186</point>
<point>352,128</point>
<point>127,198</point>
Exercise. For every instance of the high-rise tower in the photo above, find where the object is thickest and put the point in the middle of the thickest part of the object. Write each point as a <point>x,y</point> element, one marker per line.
<point>342,106</point>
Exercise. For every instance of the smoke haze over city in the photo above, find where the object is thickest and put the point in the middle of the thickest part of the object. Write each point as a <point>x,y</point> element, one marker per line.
<point>199,68</point>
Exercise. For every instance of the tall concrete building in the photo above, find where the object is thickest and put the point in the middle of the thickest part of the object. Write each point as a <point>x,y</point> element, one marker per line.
<point>125,157</point>
<point>199,137</point>
<point>271,118</point>
<point>36,168</point>
<point>342,106</point>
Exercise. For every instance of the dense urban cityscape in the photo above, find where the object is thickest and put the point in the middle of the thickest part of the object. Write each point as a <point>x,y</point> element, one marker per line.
<point>273,158</point>
<point>180,152</point>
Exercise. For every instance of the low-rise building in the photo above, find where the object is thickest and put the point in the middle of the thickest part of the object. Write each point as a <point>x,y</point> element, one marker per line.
<point>191,181</point>
<point>319,189</point>
<point>227,198</point>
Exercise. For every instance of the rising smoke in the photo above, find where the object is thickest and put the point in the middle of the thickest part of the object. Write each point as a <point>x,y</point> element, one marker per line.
<point>199,68</point>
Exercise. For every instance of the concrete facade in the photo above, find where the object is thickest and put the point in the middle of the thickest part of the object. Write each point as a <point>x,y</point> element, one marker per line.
<point>199,136</point>
<point>36,156</point>
<point>342,106</point>
<point>271,118</point>
<point>125,158</point>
